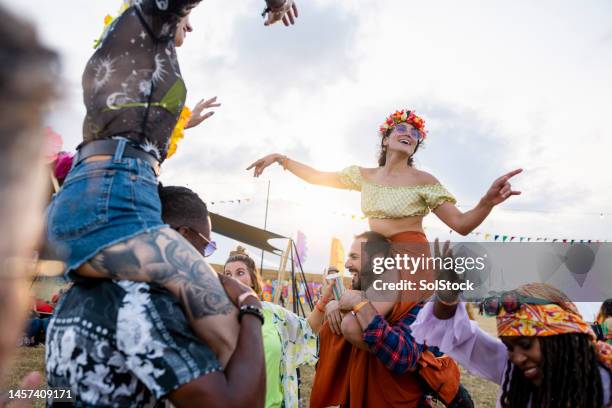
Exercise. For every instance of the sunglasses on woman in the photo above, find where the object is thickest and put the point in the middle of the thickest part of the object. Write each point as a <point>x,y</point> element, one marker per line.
<point>415,134</point>
<point>511,302</point>
<point>209,248</point>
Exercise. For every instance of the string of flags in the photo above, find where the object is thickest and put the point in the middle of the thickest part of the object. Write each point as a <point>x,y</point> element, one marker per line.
<point>516,238</point>
<point>234,201</point>
<point>487,236</point>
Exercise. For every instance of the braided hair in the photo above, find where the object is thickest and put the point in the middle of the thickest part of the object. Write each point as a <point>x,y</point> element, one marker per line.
<point>571,375</point>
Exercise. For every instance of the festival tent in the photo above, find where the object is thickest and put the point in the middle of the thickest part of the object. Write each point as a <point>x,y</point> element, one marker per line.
<point>245,233</point>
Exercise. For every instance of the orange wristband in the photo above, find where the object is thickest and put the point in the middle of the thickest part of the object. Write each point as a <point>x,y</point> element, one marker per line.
<point>359,305</point>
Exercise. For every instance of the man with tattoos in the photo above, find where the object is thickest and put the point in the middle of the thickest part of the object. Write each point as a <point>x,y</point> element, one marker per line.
<point>120,343</point>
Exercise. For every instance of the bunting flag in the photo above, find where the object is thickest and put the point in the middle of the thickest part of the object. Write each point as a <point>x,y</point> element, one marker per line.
<point>518,238</point>
<point>234,201</point>
<point>301,248</point>
<point>336,256</point>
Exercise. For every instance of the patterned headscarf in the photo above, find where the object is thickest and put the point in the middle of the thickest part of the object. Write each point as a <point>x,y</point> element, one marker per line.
<point>550,320</point>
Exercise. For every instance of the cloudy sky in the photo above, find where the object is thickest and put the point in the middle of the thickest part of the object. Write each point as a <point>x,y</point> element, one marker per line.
<point>500,84</point>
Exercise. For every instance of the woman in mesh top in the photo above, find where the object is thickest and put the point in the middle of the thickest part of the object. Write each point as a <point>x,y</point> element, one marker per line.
<point>106,219</point>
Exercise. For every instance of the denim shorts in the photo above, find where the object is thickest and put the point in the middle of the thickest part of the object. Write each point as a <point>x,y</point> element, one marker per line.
<point>102,203</point>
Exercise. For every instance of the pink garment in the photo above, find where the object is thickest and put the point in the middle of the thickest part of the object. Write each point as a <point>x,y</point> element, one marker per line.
<point>462,339</point>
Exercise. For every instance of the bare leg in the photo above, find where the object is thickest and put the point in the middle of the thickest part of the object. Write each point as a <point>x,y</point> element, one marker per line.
<point>164,257</point>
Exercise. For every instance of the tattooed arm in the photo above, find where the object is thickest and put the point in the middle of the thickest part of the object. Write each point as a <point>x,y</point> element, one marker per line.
<point>243,382</point>
<point>165,258</point>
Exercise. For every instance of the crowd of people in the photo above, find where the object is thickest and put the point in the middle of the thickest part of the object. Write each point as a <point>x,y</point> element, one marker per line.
<point>147,321</point>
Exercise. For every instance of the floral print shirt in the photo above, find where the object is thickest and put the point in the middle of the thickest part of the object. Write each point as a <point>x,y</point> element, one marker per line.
<point>122,343</point>
<point>299,347</point>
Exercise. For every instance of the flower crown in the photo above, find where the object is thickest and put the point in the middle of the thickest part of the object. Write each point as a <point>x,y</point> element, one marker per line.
<point>403,116</point>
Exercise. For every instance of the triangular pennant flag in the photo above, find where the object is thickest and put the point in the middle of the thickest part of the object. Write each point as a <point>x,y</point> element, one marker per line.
<point>511,238</point>
<point>504,238</point>
<point>487,236</point>
<point>554,240</point>
<point>336,256</point>
<point>497,236</point>
<point>528,239</point>
<point>521,239</point>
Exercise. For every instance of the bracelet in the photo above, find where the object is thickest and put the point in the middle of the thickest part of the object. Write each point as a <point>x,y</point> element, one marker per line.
<point>359,305</point>
<point>320,306</point>
<point>283,162</point>
<point>269,9</point>
<point>252,310</point>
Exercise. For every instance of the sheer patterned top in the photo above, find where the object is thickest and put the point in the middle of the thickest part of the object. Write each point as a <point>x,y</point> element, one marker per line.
<point>132,85</point>
<point>379,201</point>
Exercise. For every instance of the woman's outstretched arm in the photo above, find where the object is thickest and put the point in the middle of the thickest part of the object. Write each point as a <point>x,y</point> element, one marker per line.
<point>466,222</point>
<point>303,171</point>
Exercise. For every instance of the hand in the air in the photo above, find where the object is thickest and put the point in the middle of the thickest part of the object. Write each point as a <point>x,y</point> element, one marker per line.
<point>196,114</point>
<point>501,189</point>
<point>262,163</point>
<point>443,274</point>
<point>288,12</point>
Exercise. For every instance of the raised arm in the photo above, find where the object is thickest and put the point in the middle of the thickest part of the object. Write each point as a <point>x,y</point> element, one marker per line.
<point>466,222</point>
<point>306,173</point>
<point>444,323</point>
<point>316,317</point>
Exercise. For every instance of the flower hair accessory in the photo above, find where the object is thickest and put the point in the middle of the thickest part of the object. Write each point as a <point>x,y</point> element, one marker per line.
<point>403,116</point>
<point>179,131</point>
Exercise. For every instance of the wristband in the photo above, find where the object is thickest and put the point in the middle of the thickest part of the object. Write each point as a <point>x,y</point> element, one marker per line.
<point>283,162</point>
<point>359,305</point>
<point>252,310</point>
<point>320,306</point>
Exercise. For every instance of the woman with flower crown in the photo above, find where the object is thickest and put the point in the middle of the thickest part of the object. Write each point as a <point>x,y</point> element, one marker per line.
<point>395,196</point>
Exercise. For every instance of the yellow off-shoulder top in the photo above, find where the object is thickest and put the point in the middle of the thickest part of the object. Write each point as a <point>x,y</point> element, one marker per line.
<point>378,201</point>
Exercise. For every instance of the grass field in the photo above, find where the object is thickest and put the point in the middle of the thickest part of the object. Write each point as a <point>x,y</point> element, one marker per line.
<point>483,392</point>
